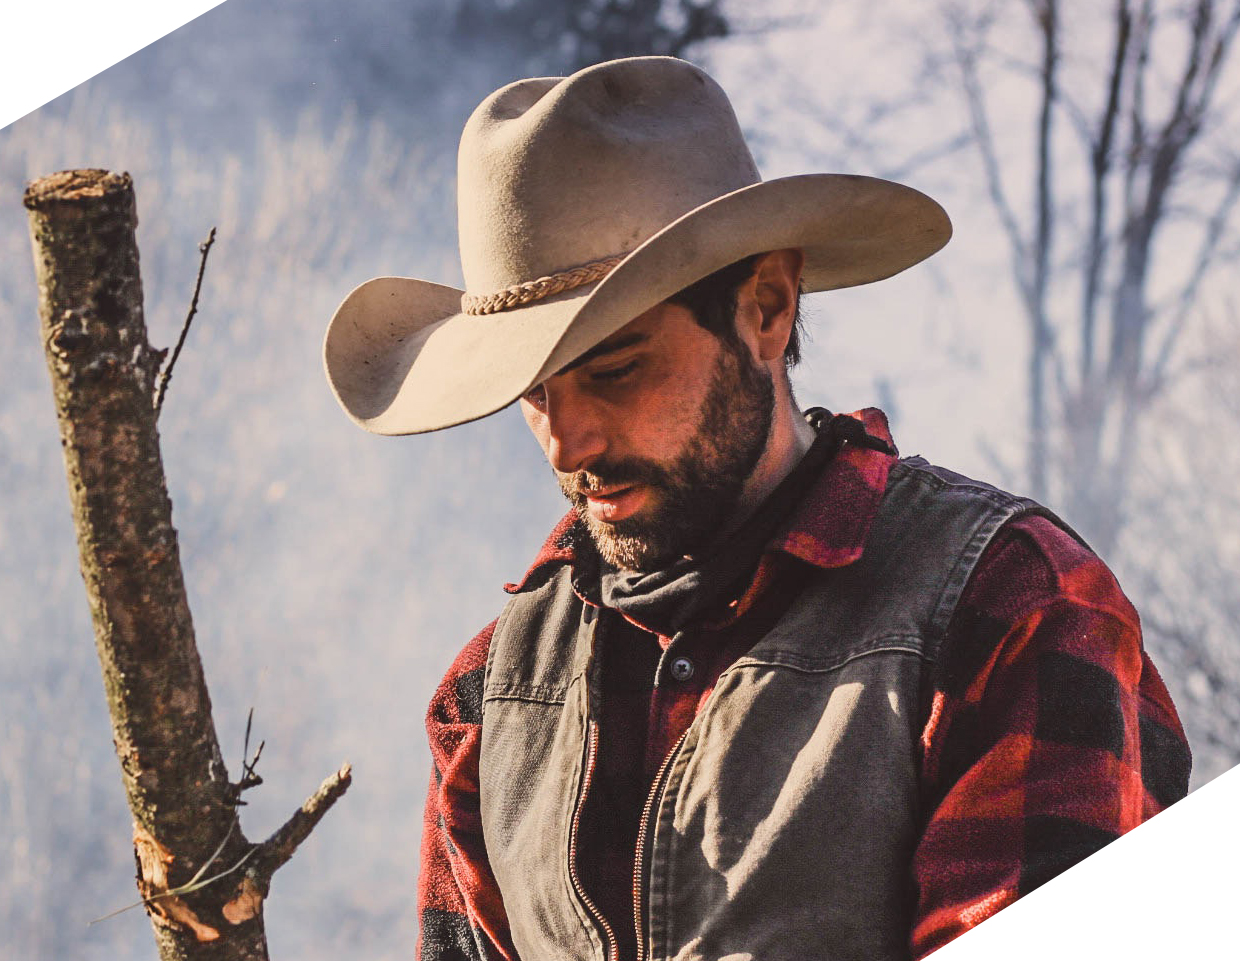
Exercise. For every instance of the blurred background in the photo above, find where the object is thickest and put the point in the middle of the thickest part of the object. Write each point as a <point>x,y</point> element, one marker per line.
<point>1078,340</point>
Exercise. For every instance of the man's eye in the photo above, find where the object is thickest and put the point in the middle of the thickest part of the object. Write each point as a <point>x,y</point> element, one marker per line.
<point>537,396</point>
<point>614,373</point>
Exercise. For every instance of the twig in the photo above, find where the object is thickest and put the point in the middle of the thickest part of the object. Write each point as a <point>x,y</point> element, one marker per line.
<point>189,885</point>
<point>1205,259</point>
<point>975,101</point>
<point>278,848</point>
<point>249,778</point>
<point>204,248</point>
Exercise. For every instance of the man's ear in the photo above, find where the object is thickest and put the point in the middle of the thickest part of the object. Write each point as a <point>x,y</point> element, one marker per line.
<point>774,286</point>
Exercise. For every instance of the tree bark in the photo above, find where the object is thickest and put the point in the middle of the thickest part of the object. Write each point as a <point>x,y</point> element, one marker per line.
<point>103,374</point>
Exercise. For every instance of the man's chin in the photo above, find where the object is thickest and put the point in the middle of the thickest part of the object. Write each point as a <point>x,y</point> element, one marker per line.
<point>628,545</point>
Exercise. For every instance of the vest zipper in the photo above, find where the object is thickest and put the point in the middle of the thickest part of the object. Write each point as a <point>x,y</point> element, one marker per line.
<point>610,945</point>
<point>644,839</point>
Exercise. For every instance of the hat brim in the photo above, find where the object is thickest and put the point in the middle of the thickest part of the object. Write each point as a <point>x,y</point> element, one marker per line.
<point>402,358</point>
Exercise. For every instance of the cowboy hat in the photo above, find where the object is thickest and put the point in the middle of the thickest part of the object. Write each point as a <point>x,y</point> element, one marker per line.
<point>584,201</point>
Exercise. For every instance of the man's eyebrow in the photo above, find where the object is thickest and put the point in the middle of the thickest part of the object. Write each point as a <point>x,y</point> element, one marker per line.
<point>606,347</point>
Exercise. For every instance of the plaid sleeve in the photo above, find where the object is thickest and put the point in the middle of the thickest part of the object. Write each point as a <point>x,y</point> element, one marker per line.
<point>460,910</point>
<point>1050,732</point>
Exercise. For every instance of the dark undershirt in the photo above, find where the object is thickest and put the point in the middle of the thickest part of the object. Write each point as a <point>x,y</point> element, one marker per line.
<point>639,724</point>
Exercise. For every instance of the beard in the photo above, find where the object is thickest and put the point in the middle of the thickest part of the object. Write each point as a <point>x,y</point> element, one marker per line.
<point>697,492</point>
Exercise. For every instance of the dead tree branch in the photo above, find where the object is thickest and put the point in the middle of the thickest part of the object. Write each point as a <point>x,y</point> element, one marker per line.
<point>975,101</point>
<point>103,371</point>
<point>1100,169</point>
<point>1205,259</point>
<point>204,248</point>
<point>277,849</point>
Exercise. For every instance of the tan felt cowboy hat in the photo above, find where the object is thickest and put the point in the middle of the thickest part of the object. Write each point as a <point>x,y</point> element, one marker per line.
<point>584,201</point>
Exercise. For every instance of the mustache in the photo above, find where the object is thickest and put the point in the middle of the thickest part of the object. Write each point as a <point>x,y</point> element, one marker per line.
<point>619,473</point>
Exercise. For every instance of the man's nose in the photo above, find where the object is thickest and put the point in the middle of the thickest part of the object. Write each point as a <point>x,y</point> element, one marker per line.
<point>575,435</point>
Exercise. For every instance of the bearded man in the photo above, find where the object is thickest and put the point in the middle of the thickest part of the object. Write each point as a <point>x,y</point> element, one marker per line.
<point>768,691</point>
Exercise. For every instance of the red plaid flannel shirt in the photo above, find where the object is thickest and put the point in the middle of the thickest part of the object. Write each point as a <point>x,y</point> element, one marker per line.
<point>1049,733</point>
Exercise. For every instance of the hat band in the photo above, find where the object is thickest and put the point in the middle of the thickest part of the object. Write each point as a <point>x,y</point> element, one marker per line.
<point>520,294</point>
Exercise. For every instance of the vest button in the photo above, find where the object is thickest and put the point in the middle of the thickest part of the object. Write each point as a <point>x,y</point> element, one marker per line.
<point>682,669</point>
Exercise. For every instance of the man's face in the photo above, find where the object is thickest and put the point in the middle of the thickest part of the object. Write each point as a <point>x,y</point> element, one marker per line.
<point>653,434</point>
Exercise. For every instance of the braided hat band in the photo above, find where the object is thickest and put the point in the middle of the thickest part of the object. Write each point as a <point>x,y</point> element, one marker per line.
<point>520,294</point>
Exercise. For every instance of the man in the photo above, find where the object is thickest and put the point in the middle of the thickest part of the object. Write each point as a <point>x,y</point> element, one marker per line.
<point>767,691</point>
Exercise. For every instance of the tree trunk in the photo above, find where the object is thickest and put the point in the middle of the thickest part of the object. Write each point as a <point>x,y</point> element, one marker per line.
<point>103,376</point>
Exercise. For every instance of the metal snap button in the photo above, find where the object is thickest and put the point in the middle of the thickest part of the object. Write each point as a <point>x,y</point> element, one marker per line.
<point>682,669</point>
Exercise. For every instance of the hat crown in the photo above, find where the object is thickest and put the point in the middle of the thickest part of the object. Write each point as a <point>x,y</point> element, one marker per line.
<point>558,172</point>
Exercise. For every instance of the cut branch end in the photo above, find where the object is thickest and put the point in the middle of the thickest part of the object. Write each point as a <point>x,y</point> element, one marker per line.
<point>277,849</point>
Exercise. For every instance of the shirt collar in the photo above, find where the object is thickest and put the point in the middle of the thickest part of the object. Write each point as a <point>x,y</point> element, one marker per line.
<point>828,529</point>
<point>830,526</point>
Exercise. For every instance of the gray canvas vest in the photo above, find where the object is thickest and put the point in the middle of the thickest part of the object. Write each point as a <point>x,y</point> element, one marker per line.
<point>784,822</point>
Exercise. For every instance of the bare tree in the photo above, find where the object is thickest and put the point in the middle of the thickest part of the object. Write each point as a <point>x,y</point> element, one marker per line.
<point>1142,129</point>
<point>570,34</point>
<point>1104,134</point>
<point>1190,597</point>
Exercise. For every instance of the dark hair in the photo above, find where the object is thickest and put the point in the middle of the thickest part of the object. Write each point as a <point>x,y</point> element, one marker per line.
<point>712,301</point>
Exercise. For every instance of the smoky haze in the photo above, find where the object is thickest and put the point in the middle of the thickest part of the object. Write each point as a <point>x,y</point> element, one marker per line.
<point>333,575</point>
